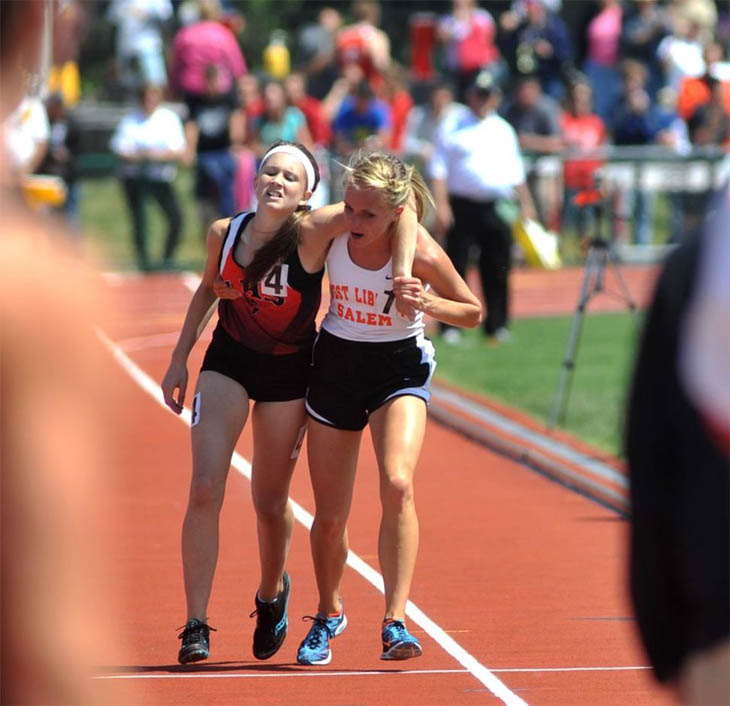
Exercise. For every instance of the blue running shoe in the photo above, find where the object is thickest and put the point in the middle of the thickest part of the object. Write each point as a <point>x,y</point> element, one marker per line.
<point>398,643</point>
<point>315,648</point>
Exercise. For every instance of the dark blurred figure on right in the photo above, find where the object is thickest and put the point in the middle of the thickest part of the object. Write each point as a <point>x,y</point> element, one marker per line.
<point>678,451</point>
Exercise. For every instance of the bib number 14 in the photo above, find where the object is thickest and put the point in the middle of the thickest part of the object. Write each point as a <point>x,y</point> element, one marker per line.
<point>274,283</point>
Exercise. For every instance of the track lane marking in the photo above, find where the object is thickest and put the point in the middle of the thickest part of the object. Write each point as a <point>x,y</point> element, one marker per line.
<point>243,466</point>
<point>282,675</point>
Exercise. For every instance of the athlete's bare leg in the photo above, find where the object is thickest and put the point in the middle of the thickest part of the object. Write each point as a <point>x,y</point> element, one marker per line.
<point>277,429</point>
<point>332,457</point>
<point>223,413</point>
<point>397,429</point>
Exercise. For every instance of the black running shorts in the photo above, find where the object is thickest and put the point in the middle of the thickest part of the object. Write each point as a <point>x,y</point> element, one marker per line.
<point>351,379</point>
<point>265,377</point>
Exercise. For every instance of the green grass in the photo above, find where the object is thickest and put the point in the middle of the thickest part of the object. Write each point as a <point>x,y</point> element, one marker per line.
<point>108,229</point>
<point>524,372</point>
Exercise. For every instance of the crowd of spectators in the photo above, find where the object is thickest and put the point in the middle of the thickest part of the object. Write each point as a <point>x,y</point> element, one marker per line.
<point>643,72</point>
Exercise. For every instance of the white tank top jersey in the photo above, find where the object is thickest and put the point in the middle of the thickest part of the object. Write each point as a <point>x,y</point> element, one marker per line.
<point>362,305</point>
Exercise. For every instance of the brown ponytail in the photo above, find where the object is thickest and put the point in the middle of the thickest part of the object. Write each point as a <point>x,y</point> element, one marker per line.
<point>277,249</point>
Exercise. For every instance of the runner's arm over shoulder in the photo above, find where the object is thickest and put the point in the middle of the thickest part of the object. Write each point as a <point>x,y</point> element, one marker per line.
<point>405,239</point>
<point>450,300</point>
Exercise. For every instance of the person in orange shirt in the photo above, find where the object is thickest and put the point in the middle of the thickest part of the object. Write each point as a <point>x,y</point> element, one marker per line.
<point>696,91</point>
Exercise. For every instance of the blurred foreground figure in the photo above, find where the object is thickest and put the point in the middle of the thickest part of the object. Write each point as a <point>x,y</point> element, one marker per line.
<point>56,452</point>
<point>678,449</point>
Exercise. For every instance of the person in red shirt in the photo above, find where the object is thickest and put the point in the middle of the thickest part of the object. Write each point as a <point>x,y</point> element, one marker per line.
<point>296,94</point>
<point>395,93</point>
<point>583,133</point>
<point>697,91</point>
<point>364,43</point>
<point>469,34</point>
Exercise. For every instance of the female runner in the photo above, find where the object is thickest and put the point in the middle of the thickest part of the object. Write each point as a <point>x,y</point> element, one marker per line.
<point>370,367</point>
<point>271,263</point>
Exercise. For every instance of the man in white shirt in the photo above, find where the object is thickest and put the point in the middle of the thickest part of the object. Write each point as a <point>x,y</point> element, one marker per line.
<point>149,142</point>
<point>476,162</point>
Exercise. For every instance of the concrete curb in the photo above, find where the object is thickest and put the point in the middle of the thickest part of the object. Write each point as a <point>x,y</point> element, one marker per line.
<point>553,454</point>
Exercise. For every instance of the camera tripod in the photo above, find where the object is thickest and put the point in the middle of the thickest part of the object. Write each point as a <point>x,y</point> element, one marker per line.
<point>600,254</point>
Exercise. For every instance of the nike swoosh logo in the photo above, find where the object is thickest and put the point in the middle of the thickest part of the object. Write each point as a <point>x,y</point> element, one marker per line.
<point>387,277</point>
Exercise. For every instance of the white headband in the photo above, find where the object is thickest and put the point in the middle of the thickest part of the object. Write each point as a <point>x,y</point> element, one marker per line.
<point>294,152</point>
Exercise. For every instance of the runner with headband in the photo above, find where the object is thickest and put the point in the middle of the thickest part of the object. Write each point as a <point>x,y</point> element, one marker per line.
<point>271,263</point>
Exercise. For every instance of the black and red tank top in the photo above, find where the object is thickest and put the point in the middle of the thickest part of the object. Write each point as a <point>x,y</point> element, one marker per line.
<point>276,314</point>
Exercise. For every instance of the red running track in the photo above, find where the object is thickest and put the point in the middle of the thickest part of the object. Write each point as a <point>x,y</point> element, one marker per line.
<point>525,576</point>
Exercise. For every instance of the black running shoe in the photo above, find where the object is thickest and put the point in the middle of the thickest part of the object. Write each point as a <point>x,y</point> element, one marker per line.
<point>195,641</point>
<point>271,623</point>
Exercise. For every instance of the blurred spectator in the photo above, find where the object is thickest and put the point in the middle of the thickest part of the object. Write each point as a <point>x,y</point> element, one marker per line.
<point>26,134</point>
<point>695,91</point>
<point>316,52</point>
<point>361,120</point>
<point>69,24</point>
<point>364,43</point>
<point>201,44</point>
<point>678,450</point>
<point>394,91</point>
<point>423,37</point>
<point>251,99</point>
<point>584,133</point>
<point>424,122</point>
<point>637,122</point>
<point>645,25</point>
<point>149,142</point>
<point>63,146</point>
<point>702,13</point>
<point>296,95</point>
<point>469,34</point>
<point>466,189</point>
<point>535,118</point>
<point>278,121</point>
<point>540,44</point>
<point>601,65</point>
<point>140,57</point>
<point>276,58</point>
<point>681,52</point>
<point>215,125</point>
<point>634,75</point>
<point>710,121</point>
<point>517,12</point>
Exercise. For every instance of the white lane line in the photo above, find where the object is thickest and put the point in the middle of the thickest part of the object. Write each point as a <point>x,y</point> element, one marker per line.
<point>305,518</point>
<point>570,669</point>
<point>157,340</point>
<point>190,280</point>
<point>281,675</point>
<point>288,675</point>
